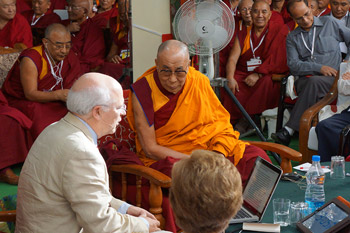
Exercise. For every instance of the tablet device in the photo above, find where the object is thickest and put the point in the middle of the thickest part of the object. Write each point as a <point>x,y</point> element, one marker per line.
<point>331,217</point>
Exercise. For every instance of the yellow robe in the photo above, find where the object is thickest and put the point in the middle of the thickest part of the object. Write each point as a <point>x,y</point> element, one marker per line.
<point>199,121</point>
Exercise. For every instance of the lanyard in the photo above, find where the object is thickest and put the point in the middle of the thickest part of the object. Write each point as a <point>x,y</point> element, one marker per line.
<point>36,20</point>
<point>312,45</point>
<point>322,12</point>
<point>251,43</point>
<point>58,77</point>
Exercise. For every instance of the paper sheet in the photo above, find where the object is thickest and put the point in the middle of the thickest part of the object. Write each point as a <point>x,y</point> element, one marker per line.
<point>305,167</point>
<point>261,227</point>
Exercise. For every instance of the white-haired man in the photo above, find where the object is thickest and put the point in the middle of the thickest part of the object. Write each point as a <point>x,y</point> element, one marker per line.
<point>64,181</point>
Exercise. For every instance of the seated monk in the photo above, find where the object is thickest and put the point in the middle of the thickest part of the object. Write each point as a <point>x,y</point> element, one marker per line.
<point>244,9</point>
<point>26,5</point>
<point>39,81</point>
<point>15,31</point>
<point>174,110</point>
<point>39,18</point>
<point>15,140</point>
<point>87,37</point>
<point>257,53</point>
<point>118,57</point>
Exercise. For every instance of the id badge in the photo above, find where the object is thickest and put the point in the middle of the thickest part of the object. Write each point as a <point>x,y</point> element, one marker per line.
<point>124,53</point>
<point>253,63</point>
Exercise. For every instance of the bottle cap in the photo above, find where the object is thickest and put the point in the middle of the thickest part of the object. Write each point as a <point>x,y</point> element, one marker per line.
<point>316,158</point>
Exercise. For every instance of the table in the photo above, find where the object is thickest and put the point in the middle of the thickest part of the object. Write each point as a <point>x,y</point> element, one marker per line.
<point>290,190</point>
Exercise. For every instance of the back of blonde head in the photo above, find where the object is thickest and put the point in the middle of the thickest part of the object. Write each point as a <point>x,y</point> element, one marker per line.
<point>206,192</point>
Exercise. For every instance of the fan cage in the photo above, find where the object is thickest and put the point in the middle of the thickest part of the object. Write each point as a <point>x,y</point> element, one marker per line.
<point>187,17</point>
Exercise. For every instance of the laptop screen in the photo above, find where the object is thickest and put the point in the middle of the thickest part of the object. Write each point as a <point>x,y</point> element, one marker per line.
<point>261,185</point>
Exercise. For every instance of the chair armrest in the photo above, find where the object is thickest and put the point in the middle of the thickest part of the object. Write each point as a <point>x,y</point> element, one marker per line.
<point>8,216</point>
<point>287,154</point>
<point>151,174</point>
<point>278,77</point>
<point>310,118</point>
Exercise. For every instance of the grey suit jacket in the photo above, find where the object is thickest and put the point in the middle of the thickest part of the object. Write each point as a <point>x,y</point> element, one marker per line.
<point>63,185</point>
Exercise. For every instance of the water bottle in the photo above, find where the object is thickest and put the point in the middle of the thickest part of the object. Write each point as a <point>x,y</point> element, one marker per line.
<point>314,195</point>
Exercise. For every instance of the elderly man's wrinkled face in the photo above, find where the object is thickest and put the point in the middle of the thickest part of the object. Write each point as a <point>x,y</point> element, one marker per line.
<point>339,8</point>
<point>7,9</point>
<point>77,10</point>
<point>58,45</point>
<point>113,113</point>
<point>40,6</point>
<point>261,14</point>
<point>172,70</point>
<point>245,8</point>
<point>302,15</point>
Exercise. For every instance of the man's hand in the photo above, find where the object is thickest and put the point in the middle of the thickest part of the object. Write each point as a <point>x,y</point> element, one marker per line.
<point>251,79</point>
<point>139,212</point>
<point>328,71</point>
<point>74,27</point>
<point>115,59</point>
<point>233,85</point>
<point>62,94</point>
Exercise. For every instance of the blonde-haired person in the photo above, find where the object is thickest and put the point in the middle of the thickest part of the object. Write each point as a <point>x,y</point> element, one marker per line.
<point>206,192</point>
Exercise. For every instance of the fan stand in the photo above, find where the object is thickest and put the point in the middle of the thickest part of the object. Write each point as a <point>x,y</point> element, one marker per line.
<point>217,83</point>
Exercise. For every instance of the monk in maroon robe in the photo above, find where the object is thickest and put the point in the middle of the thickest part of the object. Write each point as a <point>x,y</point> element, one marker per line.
<point>87,37</point>
<point>39,81</point>
<point>241,24</point>
<point>14,29</point>
<point>39,18</point>
<point>118,57</point>
<point>15,140</point>
<point>256,55</point>
<point>280,6</point>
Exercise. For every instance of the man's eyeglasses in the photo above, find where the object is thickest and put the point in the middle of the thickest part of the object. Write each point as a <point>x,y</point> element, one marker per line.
<point>60,45</point>
<point>122,109</point>
<point>245,10</point>
<point>178,73</point>
<point>74,8</point>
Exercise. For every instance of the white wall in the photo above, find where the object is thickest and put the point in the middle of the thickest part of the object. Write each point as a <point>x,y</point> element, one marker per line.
<point>153,15</point>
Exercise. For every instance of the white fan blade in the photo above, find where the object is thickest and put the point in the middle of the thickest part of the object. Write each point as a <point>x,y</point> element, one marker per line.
<point>217,39</point>
<point>208,11</point>
<point>186,30</point>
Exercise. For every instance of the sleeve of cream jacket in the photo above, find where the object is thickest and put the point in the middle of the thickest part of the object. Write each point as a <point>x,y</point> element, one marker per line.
<point>85,185</point>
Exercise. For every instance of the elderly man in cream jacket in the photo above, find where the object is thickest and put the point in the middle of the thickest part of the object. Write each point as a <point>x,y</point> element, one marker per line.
<point>63,185</point>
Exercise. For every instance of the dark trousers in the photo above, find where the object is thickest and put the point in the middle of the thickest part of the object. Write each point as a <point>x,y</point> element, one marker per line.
<point>328,133</point>
<point>310,90</point>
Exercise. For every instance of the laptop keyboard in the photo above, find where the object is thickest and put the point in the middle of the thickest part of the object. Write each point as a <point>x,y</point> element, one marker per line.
<point>242,214</point>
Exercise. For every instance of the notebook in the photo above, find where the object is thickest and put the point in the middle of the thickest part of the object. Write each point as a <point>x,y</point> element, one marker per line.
<point>258,192</point>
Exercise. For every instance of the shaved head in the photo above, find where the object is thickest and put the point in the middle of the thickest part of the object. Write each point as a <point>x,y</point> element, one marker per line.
<point>242,2</point>
<point>55,27</point>
<point>263,2</point>
<point>173,45</point>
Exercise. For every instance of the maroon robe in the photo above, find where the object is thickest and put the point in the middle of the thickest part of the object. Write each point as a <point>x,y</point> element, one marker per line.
<point>40,24</point>
<point>225,53</point>
<point>15,139</point>
<point>264,94</point>
<point>89,45</point>
<point>116,70</point>
<point>17,30</point>
<point>326,12</point>
<point>42,114</point>
<point>23,5</point>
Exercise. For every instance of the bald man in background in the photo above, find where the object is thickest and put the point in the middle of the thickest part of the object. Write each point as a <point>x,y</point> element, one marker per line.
<point>15,31</point>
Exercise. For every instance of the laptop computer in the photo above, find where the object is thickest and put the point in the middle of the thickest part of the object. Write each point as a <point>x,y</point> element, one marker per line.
<point>258,192</point>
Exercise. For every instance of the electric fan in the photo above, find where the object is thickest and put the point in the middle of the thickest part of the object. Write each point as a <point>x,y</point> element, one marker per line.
<point>206,26</point>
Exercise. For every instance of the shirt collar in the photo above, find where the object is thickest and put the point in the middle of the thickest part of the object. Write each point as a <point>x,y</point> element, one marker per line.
<point>93,134</point>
